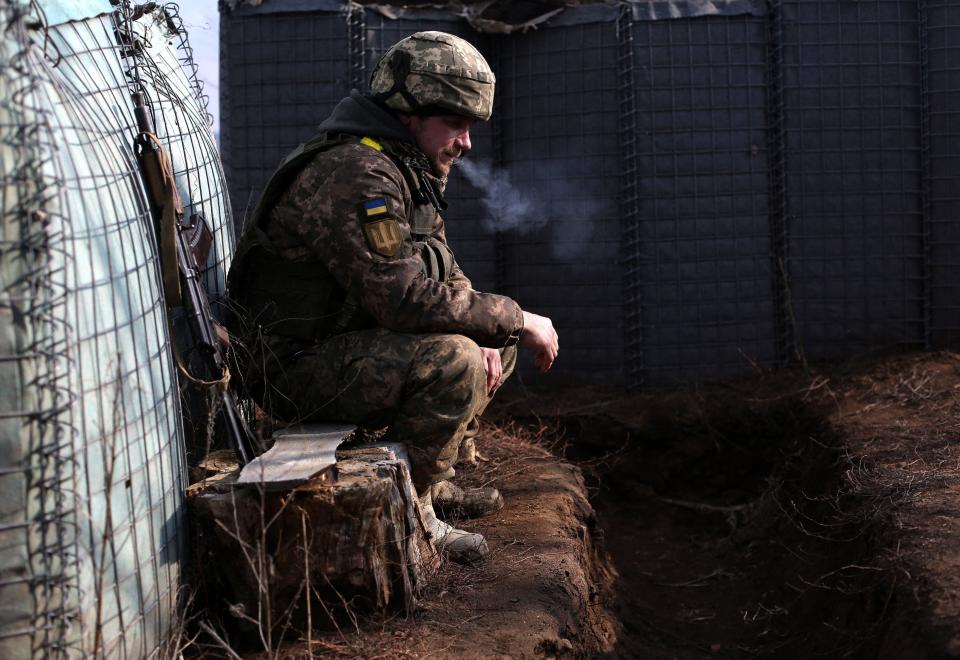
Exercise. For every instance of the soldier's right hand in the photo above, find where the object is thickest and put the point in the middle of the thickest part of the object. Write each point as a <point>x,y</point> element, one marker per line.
<point>540,336</point>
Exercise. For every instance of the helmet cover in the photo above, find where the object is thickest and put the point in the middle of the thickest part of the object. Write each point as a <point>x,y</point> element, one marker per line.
<point>430,70</point>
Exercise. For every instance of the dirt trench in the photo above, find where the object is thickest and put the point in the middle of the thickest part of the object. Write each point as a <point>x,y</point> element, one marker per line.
<point>727,524</point>
<point>793,515</point>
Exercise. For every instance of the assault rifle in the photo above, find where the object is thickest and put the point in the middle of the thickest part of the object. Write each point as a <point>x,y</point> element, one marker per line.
<point>184,246</point>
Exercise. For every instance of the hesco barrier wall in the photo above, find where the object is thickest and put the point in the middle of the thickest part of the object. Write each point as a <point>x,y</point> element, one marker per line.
<point>718,186</point>
<point>92,465</point>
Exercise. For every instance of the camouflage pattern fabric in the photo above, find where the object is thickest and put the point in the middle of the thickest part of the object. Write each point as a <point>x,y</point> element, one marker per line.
<point>428,388</point>
<point>438,69</point>
<point>321,218</point>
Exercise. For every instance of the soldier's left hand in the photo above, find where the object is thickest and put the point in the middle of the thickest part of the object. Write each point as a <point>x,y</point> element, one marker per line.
<point>494,368</point>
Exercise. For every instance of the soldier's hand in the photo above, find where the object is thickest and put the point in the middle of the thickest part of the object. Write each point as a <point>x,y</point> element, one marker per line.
<point>539,336</point>
<point>493,365</point>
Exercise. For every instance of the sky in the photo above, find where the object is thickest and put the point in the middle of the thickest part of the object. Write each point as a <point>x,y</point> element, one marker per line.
<point>202,22</point>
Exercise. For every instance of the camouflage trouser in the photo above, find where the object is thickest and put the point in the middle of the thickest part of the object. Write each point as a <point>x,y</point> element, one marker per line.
<point>429,389</point>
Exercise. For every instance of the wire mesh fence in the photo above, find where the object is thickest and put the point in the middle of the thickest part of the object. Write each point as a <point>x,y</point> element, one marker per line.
<point>940,51</point>
<point>852,115</point>
<point>281,74</point>
<point>698,197</point>
<point>560,143</point>
<point>91,436</point>
<point>705,271</point>
<point>36,432</point>
<point>183,124</point>
<point>743,186</point>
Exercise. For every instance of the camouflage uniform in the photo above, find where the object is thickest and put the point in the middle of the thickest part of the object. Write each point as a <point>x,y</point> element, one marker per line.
<point>355,309</point>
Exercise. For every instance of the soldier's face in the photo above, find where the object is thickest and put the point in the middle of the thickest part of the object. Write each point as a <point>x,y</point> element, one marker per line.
<point>443,138</point>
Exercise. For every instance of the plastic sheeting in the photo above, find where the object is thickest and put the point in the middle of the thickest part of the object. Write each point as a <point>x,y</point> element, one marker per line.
<point>91,440</point>
<point>62,11</point>
<point>102,499</point>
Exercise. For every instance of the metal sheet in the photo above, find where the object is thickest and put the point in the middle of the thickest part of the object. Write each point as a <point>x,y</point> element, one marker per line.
<point>298,453</point>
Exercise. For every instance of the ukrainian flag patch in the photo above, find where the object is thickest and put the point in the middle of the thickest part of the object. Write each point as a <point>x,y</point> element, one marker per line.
<point>381,229</point>
<point>374,208</point>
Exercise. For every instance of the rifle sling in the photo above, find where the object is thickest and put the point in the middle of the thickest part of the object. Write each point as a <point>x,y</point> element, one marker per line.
<point>163,191</point>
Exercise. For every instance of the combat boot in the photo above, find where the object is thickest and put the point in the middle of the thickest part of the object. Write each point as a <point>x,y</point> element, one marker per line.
<point>460,546</point>
<point>451,501</point>
<point>467,454</point>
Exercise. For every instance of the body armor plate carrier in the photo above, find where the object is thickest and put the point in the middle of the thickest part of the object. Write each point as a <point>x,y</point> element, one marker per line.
<point>262,304</point>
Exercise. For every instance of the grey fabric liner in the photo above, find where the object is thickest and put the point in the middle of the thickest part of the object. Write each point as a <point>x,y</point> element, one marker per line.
<point>658,11</point>
<point>662,9</point>
<point>643,10</point>
<point>283,6</point>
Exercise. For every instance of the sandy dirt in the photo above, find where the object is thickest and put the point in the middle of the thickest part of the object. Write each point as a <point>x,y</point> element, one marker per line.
<point>799,514</point>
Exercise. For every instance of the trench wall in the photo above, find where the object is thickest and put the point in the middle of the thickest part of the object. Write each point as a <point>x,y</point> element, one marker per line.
<point>719,186</point>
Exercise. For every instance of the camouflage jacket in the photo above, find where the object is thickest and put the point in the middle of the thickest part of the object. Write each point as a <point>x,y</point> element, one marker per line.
<point>349,218</point>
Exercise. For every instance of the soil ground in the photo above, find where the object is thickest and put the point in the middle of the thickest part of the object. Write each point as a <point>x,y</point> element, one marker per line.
<point>800,514</point>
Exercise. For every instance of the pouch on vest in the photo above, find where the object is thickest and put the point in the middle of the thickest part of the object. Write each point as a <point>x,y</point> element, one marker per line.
<point>437,258</point>
<point>273,286</point>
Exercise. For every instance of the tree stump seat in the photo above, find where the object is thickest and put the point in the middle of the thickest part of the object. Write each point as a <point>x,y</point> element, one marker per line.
<point>305,532</point>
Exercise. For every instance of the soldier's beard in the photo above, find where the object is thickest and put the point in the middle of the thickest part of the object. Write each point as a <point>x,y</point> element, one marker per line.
<point>439,176</point>
<point>443,162</point>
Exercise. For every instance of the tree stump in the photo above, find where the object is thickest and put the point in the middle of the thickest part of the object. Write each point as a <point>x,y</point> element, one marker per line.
<point>351,539</point>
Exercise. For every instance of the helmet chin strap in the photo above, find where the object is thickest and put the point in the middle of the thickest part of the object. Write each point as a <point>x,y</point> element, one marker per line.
<point>400,69</point>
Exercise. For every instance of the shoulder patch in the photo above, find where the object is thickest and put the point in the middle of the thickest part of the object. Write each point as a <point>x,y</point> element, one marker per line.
<point>374,208</point>
<point>381,229</point>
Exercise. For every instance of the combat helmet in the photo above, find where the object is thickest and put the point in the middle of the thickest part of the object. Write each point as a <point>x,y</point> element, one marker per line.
<point>431,71</point>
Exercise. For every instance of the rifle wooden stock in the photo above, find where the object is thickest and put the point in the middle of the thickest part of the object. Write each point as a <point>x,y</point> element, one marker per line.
<point>181,281</point>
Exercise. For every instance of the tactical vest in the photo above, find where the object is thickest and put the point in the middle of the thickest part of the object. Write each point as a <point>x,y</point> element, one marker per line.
<point>265,288</point>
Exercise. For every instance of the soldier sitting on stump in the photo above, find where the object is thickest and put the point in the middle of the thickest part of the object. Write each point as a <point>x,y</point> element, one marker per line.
<point>354,308</point>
